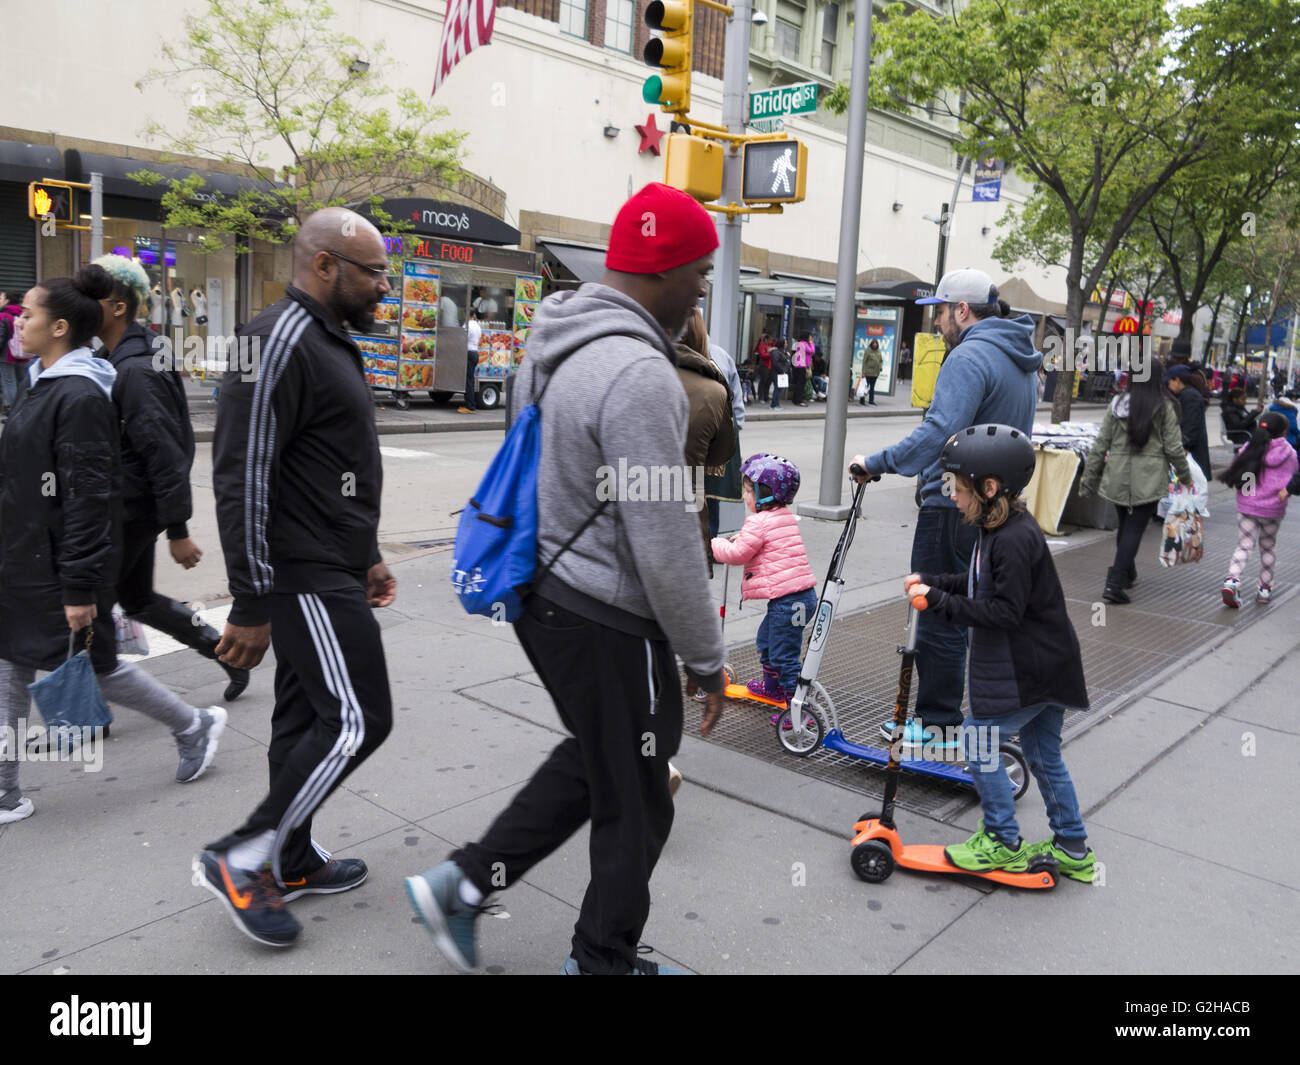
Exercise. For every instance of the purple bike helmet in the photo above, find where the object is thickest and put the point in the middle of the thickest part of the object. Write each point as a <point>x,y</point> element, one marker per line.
<point>776,479</point>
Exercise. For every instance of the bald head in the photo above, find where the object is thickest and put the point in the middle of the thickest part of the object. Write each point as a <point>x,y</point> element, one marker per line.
<point>340,261</point>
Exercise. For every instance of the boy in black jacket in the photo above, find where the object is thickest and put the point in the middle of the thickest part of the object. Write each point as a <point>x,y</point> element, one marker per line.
<point>1025,664</point>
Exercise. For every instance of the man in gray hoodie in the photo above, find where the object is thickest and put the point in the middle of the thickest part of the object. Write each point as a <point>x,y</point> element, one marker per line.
<point>990,375</point>
<point>603,625</point>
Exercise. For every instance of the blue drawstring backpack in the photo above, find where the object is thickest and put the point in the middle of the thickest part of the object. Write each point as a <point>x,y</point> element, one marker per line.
<point>494,559</point>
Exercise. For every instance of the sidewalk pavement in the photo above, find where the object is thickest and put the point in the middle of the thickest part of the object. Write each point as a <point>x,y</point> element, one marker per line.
<point>1189,794</point>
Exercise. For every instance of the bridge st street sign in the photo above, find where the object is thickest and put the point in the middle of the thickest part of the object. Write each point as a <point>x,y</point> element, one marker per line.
<point>786,100</point>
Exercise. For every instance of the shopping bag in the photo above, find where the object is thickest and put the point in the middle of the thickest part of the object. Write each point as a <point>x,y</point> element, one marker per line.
<point>861,390</point>
<point>70,701</point>
<point>131,639</point>
<point>1184,530</point>
<point>783,380</point>
<point>1199,492</point>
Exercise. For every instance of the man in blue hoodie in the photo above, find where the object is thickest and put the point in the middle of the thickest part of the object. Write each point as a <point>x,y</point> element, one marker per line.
<point>989,375</point>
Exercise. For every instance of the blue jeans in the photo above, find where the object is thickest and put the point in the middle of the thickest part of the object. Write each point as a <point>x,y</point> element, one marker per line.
<point>9,372</point>
<point>1040,738</point>
<point>780,634</point>
<point>943,543</point>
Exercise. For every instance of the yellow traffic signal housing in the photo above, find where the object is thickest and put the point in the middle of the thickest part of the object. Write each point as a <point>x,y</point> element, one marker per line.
<point>694,165</point>
<point>774,171</point>
<point>671,53</point>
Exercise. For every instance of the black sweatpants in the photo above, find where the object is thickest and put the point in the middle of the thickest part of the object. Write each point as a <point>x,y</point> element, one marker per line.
<point>138,600</point>
<point>332,709</point>
<point>1128,536</point>
<point>620,697</point>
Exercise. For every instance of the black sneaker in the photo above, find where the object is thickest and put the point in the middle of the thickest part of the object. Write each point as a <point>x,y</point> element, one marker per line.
<point>338,874</point>
<point>252,898</point>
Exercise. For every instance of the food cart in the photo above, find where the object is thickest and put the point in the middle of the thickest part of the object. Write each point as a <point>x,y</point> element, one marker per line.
<point>419,341</point>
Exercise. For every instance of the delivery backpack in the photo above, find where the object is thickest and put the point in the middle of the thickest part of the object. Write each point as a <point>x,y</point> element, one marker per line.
<point>494,563</point>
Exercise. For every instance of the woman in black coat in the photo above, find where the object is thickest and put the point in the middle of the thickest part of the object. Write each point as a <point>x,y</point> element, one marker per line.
<point>60,481</point>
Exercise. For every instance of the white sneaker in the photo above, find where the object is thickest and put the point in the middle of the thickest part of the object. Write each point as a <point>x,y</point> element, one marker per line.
<point>15,809</point>
<point>200,746</point>
<point>1229,592</point>
<point>1264,594</point>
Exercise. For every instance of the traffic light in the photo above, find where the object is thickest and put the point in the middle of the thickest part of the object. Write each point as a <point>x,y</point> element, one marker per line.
<point>670,89</point>
<point>694,165</point>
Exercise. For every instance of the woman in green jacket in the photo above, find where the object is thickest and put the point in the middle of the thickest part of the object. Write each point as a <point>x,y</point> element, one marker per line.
<point>1129,465</point>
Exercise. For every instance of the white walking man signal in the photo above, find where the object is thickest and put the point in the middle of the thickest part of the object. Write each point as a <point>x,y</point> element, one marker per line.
<point>783,166</point>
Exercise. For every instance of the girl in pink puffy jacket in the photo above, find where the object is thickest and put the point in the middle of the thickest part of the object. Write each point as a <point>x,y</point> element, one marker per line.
<point>776,569</point>
<point>1260,474</point>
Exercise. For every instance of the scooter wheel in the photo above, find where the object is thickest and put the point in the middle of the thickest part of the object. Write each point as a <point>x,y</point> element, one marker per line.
<point>800,744</point>
<point>1013,761</point>
<point>873,861</point>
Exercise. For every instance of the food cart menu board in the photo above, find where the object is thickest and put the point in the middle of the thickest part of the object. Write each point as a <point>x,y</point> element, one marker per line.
<point>528,293</point>
<point>419,334</point>
<point>495,350</point>
<point>380,357</point>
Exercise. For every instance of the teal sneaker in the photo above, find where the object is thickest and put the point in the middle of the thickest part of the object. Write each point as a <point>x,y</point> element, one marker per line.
<point>641,967</point>
<point>984,852</point>
<point>436,897</point>
<point>1082,869</point>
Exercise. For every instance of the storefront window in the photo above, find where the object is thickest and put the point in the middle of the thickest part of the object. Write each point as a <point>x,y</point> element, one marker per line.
<point>192,292</point>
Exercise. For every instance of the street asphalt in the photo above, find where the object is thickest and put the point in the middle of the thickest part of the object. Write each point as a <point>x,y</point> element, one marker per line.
<point>1188,791</point>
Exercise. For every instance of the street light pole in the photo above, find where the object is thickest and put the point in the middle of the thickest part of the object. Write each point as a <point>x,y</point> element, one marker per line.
<point>834,473</point>
<point>723,325</point>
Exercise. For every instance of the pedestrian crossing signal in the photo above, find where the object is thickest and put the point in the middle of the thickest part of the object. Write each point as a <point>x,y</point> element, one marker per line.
<point>774,171</point>
<point>45,198</point>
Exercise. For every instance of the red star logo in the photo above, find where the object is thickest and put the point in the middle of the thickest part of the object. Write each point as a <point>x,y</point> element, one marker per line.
<point>651,135</point>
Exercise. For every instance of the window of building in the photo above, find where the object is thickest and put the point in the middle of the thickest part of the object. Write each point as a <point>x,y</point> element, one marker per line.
<point>618,25</point>
<point>573,17</point>
<point>830,30</point>
<point>787,39</point>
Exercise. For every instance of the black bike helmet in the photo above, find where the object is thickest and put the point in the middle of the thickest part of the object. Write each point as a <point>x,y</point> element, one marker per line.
<point>991,451</point>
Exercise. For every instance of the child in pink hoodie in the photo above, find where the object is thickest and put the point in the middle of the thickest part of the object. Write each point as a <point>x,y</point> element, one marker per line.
<point>776,569</point>
<point>1259,473</point>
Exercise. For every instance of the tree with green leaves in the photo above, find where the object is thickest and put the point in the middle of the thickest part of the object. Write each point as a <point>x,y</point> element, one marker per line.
<point>273,86</point>
<point>1099,103</point>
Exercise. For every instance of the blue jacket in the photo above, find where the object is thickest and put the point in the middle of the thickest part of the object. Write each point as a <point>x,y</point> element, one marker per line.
<point>990,376</point>
<point>1289,413</point>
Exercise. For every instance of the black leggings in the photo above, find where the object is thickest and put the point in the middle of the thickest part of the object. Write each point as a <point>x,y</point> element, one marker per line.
<point>1128,537</point>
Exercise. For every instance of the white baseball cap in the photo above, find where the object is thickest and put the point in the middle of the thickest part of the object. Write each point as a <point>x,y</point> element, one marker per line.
<point>966,285</point>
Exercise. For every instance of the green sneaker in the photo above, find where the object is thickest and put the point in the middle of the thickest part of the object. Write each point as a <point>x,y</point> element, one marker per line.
<point>1081,869</point>
<point>983,853</point>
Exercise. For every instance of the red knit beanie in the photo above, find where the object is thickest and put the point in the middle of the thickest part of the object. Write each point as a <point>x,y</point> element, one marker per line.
<point>658,229</point>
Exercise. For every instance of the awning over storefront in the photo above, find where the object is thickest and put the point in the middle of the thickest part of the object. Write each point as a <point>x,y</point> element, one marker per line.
<point>78,166</point>
<point>29,162</point>
<point>807,289</point>
<point>586,262</point>
<point>899,290</point>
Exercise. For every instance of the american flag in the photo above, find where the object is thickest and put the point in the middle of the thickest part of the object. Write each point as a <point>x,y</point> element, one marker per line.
<point>468,25</point>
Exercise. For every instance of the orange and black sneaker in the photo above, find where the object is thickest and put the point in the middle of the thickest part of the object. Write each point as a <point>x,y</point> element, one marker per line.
<point>337,874</point>
<point>251,896</point>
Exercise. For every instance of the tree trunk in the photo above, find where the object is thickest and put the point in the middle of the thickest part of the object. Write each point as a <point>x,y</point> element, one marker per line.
<point>1064,394</point>
<point>1214,321</point>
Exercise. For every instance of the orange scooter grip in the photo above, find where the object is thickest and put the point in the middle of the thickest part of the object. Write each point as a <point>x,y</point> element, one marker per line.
<point>919,602</point>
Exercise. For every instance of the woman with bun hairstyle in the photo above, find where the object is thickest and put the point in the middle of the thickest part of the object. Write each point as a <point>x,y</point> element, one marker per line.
<point>60,481</point>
